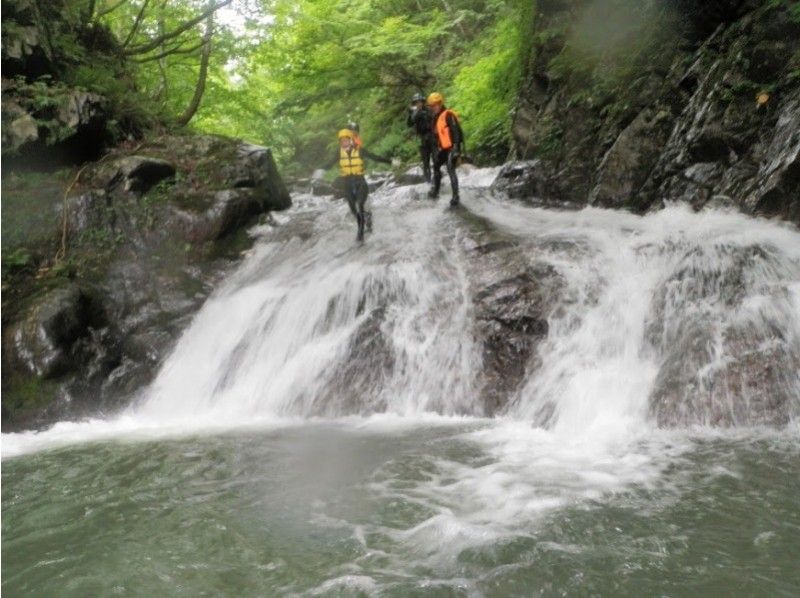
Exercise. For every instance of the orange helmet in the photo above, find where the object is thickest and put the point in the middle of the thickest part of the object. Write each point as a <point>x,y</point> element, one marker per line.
<point>435,98</point>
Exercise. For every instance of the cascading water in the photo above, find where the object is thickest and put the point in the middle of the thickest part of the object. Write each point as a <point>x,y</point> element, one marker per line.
<point>354,454</point>
<point>323,327</point>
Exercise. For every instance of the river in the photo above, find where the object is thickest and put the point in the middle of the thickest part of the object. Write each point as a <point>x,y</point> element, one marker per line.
<point>319,428</point>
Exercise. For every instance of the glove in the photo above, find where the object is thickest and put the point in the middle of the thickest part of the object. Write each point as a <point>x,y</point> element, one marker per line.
<point>396,163</point>
<point>318,174</point>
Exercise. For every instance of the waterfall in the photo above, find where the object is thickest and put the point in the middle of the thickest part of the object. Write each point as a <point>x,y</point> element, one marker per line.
<point>674,318</point>
<point>667,320</point>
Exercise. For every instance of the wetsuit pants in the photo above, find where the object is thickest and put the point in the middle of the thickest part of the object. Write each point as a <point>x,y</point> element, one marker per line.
<point>442,158</point>
<point>427,149</point>
<point>356,192</point>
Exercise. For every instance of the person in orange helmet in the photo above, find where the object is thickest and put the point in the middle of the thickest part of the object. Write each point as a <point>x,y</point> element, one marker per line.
<point>450,139</point>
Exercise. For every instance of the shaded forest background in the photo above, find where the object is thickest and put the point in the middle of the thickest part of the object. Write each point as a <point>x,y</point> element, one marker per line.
<point>288,74</point>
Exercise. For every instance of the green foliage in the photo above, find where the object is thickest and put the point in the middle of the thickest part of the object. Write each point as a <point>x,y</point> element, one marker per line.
<point>27,392</point>
<point>42,99</point>
<point>486,89</point>
<point>17,259</point>
<point>289,74</point>
<point>793,6</point>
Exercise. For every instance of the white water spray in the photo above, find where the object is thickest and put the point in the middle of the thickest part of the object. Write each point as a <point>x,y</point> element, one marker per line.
<point>313,324</point>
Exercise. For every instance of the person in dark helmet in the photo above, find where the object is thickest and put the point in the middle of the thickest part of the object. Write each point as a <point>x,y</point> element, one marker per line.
<point>420,118</point>
<point>450,139</point>
<point>351,182</point>
<point>353,126</point>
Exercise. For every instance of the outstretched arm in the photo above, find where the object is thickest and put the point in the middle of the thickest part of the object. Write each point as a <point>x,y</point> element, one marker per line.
<point>327,165</point>
<point>375,157</point>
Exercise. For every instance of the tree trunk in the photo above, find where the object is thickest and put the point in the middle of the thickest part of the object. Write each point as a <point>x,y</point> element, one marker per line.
<point>200,88</point>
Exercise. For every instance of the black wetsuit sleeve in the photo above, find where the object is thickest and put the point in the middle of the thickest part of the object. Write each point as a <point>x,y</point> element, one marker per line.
<point>455,132</point>
<point>375,157</point>
<point>411,121</point>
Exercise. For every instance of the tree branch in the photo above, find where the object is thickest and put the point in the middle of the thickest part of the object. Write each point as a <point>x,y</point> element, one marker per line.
<point>108,11</point>
<point>136,24</point>
<point>179,49</point>
<point>200,88</point>
<point>155,43</point>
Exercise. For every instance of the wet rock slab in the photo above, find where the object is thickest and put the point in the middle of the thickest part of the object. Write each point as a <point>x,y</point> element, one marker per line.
<point>513,297</point>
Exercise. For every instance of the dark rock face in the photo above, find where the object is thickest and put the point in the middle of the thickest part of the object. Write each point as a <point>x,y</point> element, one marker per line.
<point>513,296</point>
<point>72,126</point>
<point>134,174</point>
<point>533,181</point>
<point>150,230</point>
<point>704,108</point>
<point>47,118</point>
<point>47,339</point>
<point>512,319</point>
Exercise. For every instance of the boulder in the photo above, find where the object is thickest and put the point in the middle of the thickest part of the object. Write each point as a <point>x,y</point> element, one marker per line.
<point>533,181</point>
<point>22,130</point>
<point>44,340</point>
<point>321,187</point>
<point>628,162</point>
<point>135,174</point>
<point>224,212</point>
<point>512,317</point>
<point>49,120</point>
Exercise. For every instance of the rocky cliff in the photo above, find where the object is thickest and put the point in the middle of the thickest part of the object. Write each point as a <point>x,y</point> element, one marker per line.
<point>114,231</point>
<point>635,104</point>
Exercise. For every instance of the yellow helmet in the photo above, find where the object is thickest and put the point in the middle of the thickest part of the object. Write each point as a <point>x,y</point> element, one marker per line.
<point>435,98</point>
<point>345,133</point>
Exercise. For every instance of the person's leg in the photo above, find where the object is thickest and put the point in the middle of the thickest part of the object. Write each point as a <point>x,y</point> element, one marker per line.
<point>425,154</point>
<point>362,199</point>
<point>349,189</point>
<point>438,161</point>
<point>451,171</point>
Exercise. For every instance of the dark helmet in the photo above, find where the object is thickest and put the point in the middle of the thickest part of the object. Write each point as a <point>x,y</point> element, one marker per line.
<point>417,97</point>
<point>353,126</point>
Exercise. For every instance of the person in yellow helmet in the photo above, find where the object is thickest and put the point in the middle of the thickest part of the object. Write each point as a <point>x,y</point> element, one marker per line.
<point>450,139</point>
<point>351,181</point>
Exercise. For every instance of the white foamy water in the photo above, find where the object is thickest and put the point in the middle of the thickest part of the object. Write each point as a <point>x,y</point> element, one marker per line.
<point>313,325</point>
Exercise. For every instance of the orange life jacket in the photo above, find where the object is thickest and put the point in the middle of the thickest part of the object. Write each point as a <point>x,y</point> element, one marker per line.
<point>357,139</point>
<point>443,131</point>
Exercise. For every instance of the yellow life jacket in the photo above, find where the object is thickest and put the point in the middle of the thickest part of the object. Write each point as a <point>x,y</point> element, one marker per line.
<point>350,163</point>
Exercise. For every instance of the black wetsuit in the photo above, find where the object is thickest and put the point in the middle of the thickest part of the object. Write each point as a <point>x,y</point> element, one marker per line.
<point>422,121</point>
<point>355,190</point>
<point>448,157</point>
